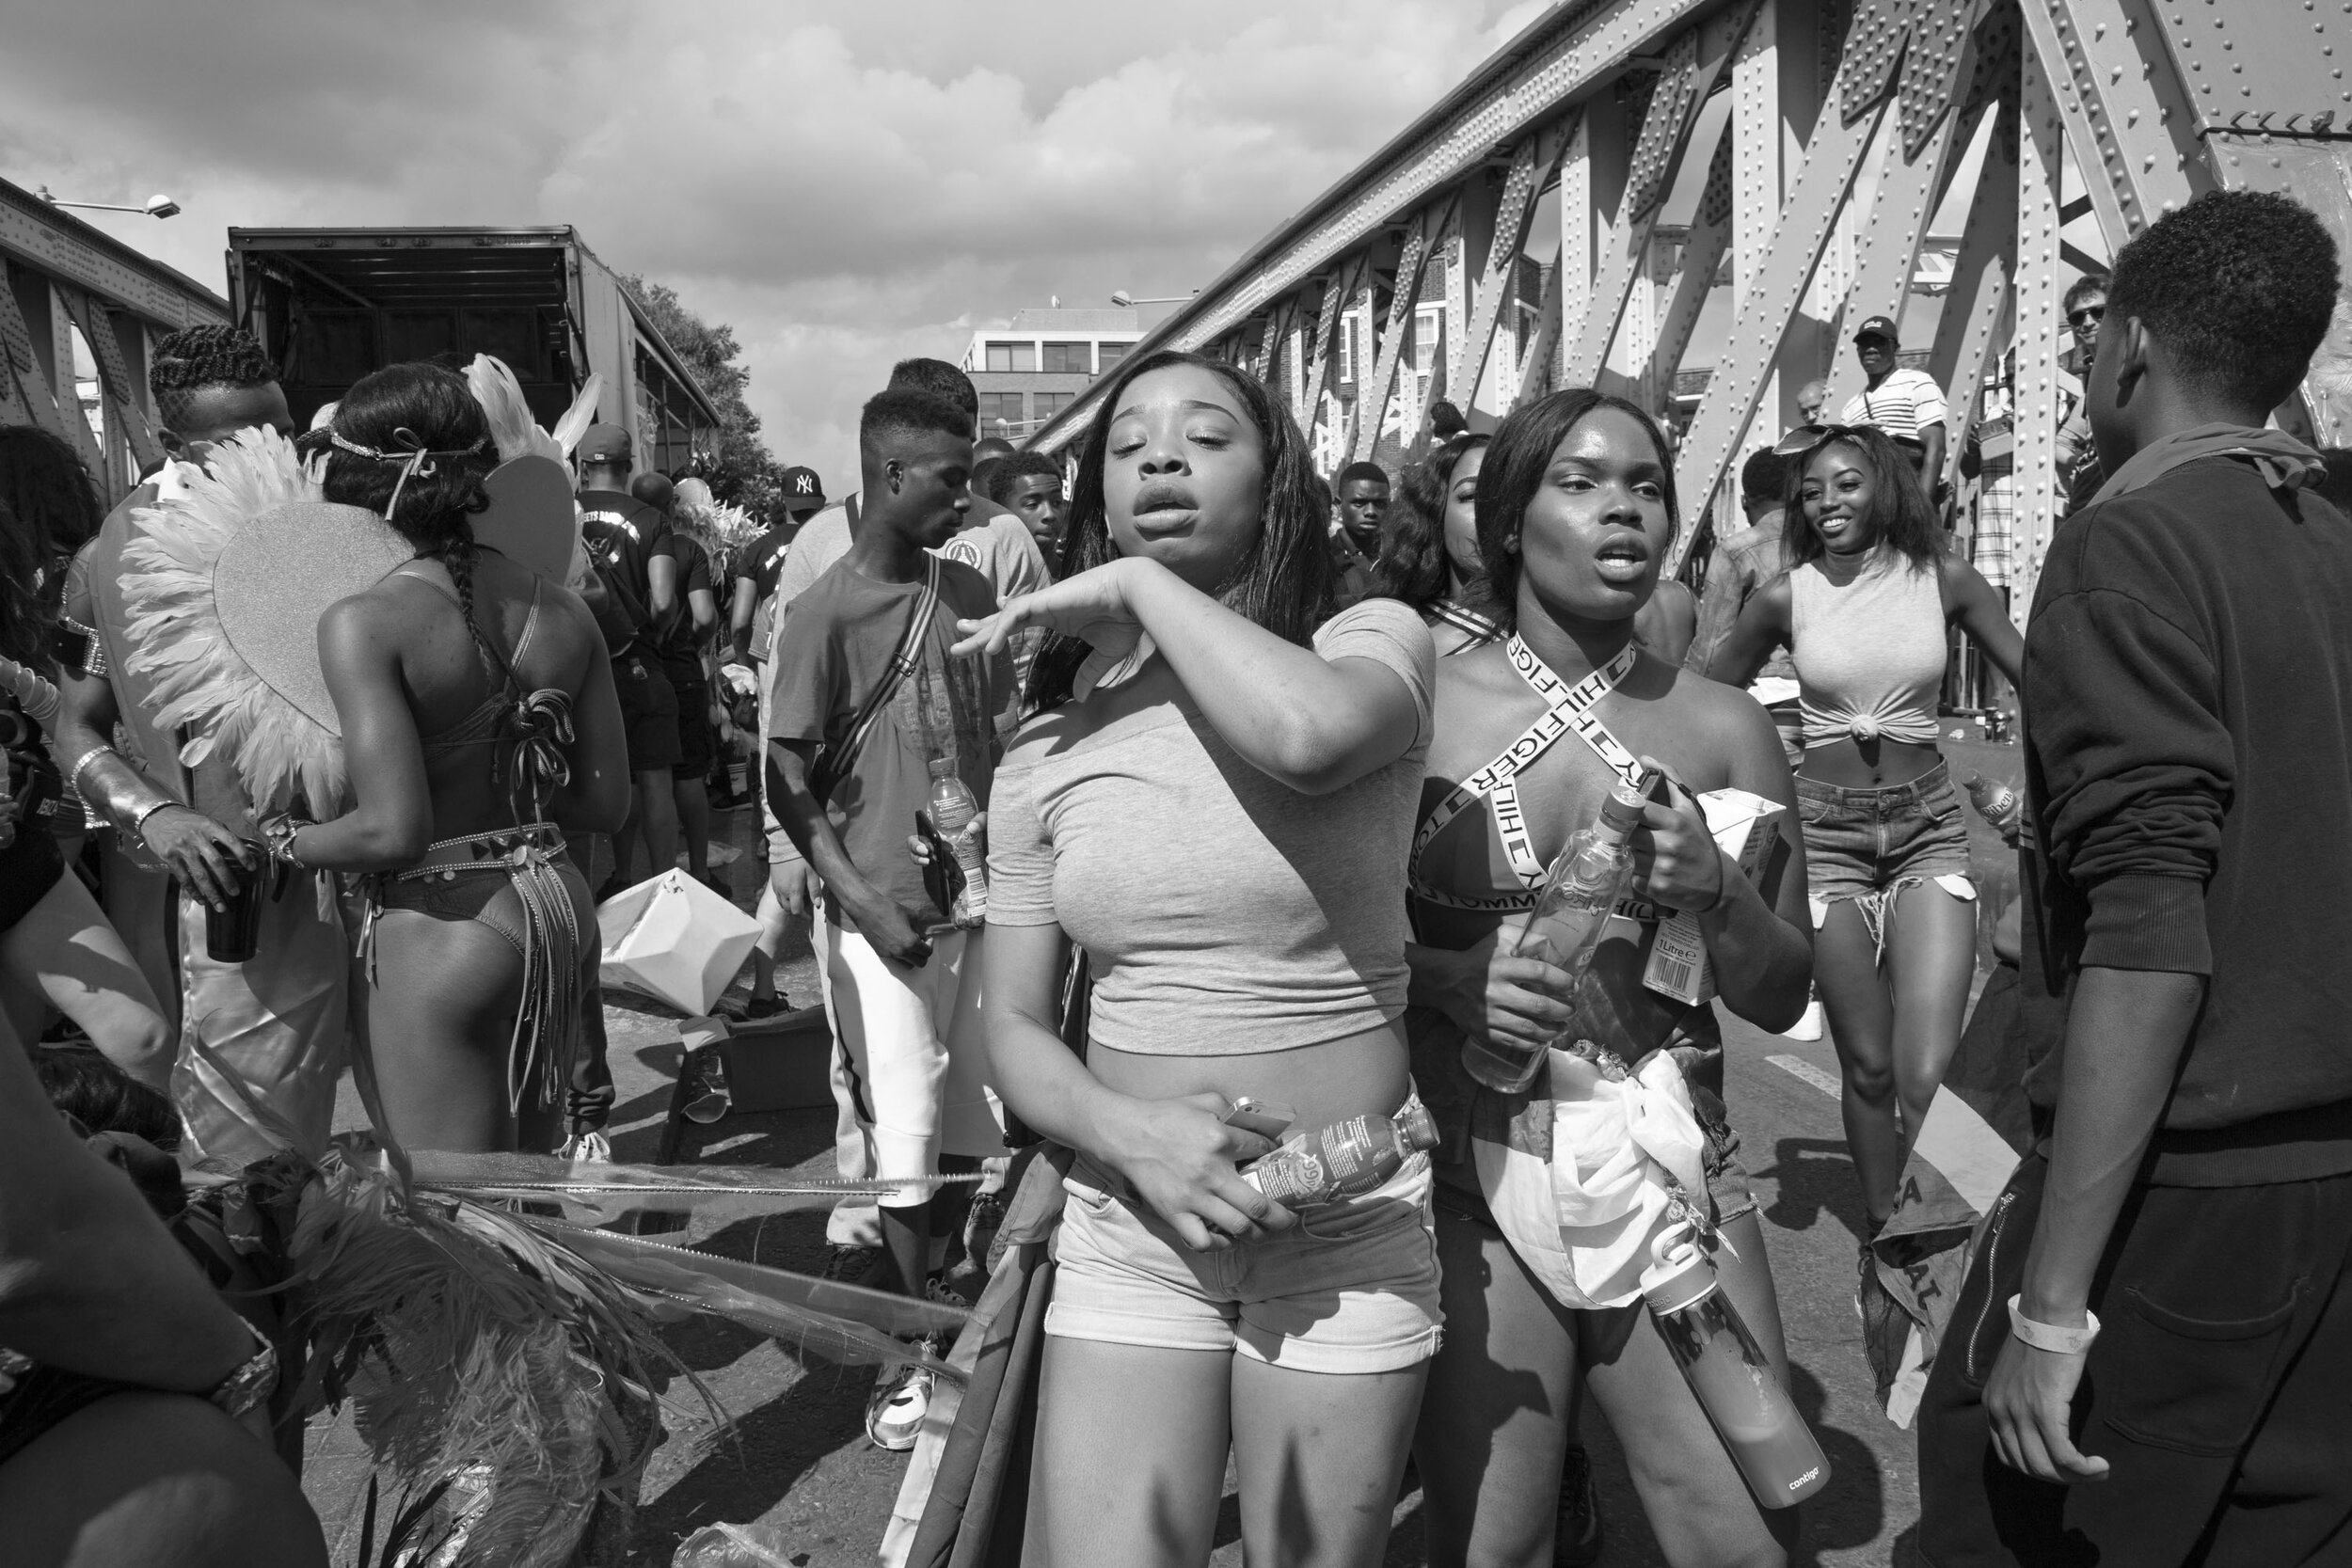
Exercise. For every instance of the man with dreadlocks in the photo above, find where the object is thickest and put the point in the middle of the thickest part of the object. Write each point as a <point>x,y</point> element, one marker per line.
<point>269,1032</point>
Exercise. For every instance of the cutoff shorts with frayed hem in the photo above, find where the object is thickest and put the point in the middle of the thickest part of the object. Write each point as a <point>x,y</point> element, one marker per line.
<point>1869,845</point>
<point>1352,1287</point>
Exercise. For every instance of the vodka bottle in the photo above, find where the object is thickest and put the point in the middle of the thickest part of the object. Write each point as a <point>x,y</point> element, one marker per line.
<point>1572,915</point>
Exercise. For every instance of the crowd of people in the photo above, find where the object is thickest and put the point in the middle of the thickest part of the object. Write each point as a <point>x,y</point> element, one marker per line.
<point>1150,808</point>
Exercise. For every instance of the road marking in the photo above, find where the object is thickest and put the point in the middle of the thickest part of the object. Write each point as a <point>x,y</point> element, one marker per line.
<point>1798,1067</point>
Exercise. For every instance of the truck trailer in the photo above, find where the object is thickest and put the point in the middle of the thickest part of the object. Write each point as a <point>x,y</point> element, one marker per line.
<point>331,305</point>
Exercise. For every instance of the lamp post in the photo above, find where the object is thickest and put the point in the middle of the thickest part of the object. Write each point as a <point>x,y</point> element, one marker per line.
<point>1121,298</point>
<point>158,205</point>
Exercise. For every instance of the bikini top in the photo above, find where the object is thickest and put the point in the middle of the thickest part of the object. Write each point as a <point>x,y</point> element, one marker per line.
<point>537,725</point>
<point>1870,653</point>
<point>1471,880</point>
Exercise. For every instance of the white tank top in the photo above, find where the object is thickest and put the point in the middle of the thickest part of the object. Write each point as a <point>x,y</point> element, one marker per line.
<point>1870,654</point>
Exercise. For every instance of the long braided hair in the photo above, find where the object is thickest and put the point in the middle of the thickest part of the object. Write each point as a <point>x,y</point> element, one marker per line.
<point>410,443</point>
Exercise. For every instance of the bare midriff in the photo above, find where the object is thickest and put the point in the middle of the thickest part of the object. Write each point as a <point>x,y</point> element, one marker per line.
<point>1879,764</point>
<point>1354,1075</point>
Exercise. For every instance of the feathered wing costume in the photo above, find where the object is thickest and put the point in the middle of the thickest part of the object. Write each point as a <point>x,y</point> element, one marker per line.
<point>262,1041</point>
<point>503,1363</point>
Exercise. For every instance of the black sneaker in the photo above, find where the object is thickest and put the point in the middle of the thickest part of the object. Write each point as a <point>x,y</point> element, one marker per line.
<point>1576,1539</point>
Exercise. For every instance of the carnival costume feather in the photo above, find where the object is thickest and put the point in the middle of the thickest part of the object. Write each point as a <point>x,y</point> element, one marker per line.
<point>206,678</point>
<point>504,1366</point>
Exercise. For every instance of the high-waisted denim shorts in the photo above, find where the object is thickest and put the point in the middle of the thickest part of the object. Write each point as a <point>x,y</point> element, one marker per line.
<point>1869,845</point>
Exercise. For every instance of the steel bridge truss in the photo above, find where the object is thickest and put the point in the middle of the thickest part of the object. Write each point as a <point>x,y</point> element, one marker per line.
<point>1846,129</point>
<point>64,277</point>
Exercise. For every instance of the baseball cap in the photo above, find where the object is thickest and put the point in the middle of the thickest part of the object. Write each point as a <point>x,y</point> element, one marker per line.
<point>802,488</point>
<point>1876,326</point>
<point>606,443</point>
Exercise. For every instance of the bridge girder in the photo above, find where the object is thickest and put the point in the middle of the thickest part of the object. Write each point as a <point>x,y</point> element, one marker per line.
<point>60,277</point>
<point>1848,121</point>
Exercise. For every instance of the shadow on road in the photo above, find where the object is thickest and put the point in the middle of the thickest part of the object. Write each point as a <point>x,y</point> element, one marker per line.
<point>1814,1177</point>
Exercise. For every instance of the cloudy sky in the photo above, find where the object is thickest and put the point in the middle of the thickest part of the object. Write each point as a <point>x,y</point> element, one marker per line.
<point>844,183</point>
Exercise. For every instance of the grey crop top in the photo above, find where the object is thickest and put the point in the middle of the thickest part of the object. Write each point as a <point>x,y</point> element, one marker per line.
<point>1223,913</point>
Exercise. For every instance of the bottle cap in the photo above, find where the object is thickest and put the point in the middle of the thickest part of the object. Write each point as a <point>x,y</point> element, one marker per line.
<point>944,767</point>
<point>1416,1129</point>
<point>1622,811</point>
<point>1670,1287</point>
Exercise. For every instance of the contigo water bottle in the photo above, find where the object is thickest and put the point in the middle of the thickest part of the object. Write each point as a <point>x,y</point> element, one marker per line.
<point>1770,1442</point>
<point>1570,919</point>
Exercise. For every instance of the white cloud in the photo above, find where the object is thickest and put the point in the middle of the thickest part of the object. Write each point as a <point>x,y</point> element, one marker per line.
<point>842,183</point>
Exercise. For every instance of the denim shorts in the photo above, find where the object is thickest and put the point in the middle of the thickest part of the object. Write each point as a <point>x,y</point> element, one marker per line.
<point>1351,1288</point>
<point>1871,844</point>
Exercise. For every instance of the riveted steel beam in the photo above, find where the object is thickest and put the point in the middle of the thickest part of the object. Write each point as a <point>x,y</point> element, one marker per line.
<point>1695,63</point>
<point>1337,294</point>
<point>1412,268</point>
<point>2041,158</point>
<point>32,382</point>
<point>1911,185</point>
<point>1498,279</point>
<point>1979,302</point>
<point>2130,123</point>
<point>1761,319</point>
<point>1560,60</point>
<point>114,375</point>
<point>1702,253</point>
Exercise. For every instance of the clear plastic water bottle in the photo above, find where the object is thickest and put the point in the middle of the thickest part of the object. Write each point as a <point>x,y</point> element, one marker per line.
<point>1571,915</point>
<point>953,812</point>
<point>1346,1159</point>
<point>1995,801</point>
<point>1727,1371</point>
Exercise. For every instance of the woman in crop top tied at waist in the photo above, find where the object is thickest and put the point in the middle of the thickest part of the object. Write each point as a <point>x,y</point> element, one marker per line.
<point>1214,799</point>
<point>1864,611</point>
<point>1576,510</point>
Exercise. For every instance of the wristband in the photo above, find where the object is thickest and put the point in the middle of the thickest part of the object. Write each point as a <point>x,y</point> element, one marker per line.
<point>138,823</point>
<point>277,838</point>
<point>2049,1336</point>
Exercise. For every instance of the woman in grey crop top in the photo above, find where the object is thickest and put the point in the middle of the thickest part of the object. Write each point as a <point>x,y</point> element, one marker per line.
<point>1213,798</point>
<point>1863,609</point>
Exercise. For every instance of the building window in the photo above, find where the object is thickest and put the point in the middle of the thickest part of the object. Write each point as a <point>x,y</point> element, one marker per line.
<point>1428,333</point>
<point>999,409</point>
<point>1051,404</point>
<point>1111,355</point>
<point>1069,359</point>
<point>1011,356</point>
<point>1347,348</point>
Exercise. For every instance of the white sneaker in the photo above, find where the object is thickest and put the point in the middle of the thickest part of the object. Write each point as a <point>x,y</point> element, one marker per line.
<point>902,1397</point>
<point>1809,1026</point>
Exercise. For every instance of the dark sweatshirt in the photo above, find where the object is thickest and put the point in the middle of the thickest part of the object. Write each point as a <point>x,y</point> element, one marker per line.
<point>2189,738</point>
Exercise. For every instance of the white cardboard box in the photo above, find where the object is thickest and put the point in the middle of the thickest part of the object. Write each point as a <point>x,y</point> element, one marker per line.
<point>1746,827</point>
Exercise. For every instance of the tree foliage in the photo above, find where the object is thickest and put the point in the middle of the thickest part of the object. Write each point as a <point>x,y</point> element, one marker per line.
<point>746,473</point>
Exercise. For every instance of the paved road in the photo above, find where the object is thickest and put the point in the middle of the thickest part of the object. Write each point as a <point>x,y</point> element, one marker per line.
<point>796,1458</point>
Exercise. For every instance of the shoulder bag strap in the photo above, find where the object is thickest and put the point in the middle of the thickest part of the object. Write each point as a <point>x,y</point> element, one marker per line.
<point>833,761</point>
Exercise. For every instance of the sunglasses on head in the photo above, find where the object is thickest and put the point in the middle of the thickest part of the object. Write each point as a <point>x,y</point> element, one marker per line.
<point>1806,437</point>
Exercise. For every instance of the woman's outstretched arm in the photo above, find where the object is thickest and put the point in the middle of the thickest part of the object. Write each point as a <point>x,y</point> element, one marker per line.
<point>1313,723</point>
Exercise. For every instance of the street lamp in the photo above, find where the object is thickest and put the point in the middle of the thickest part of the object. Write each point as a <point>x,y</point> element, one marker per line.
<point>1121,298</point>
<point>158,205</point>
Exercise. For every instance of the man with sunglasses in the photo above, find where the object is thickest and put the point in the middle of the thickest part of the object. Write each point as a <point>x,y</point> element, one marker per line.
<point>1905,403</point>
<point>2080,471</point>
